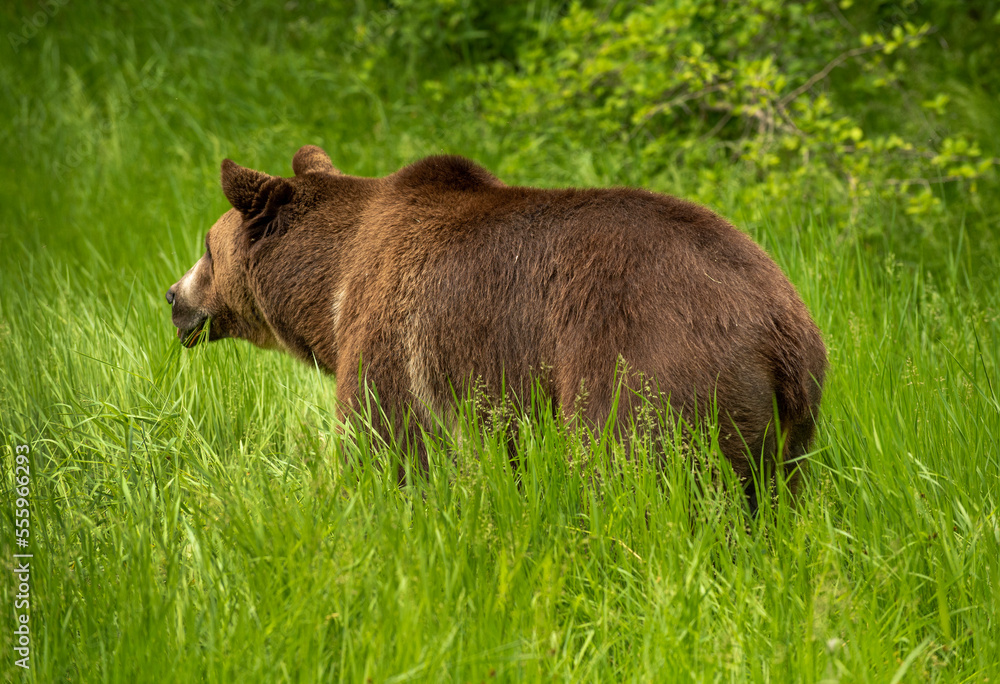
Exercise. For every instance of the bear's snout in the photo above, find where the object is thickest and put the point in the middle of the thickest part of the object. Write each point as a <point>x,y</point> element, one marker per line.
<point>188,315</point>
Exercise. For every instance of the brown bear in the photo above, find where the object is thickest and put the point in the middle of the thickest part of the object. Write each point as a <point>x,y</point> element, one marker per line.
<point>440,277</point>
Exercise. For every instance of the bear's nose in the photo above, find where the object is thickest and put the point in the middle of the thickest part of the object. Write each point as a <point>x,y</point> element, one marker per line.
<point>170,296</point>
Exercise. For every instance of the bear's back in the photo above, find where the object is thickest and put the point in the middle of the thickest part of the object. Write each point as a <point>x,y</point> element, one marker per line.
<point>442,173</point>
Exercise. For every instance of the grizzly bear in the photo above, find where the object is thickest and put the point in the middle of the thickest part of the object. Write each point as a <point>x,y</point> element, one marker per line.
<point>440,277</point>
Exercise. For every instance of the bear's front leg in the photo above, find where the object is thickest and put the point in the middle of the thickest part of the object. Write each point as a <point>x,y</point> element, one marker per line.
<point>376,400</point>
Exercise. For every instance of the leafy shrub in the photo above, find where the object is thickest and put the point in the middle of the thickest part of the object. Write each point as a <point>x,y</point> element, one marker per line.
<point>432,36</point>
<point>700,84</point>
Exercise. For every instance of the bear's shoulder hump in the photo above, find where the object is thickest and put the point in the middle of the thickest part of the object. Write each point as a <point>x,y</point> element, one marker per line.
<point>445,173</point>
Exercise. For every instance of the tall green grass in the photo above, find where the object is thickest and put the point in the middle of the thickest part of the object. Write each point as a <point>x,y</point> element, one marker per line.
<point>192,519</point>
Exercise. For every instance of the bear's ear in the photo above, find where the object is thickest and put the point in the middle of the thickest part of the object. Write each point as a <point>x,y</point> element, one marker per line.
<point>312,159</point>
<point>242,185</point>
<point>265,219</point>
<point>257,196</point>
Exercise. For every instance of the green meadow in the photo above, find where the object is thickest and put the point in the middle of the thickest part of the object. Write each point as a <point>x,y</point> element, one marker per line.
<point>191,516</point>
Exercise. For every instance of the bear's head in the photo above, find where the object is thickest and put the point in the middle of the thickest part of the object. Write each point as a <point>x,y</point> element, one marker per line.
<point>218,293</point>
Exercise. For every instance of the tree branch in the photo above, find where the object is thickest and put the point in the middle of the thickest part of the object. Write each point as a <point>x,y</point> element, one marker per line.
<point>840,59</point>
<point>825,71</point>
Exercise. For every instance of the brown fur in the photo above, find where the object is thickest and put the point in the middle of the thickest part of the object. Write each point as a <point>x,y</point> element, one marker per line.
<point>440,277</point>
